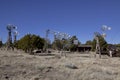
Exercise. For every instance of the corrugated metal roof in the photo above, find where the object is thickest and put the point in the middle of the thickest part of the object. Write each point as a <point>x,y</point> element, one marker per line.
<point>83,45</point>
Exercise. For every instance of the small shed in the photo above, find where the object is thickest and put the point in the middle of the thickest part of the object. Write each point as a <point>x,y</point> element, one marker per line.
<point>83,48</point>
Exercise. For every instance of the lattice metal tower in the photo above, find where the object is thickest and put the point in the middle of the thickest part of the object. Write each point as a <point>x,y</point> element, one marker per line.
<point>97,34</point>
<point>97,43</point>
<point>10,28</point>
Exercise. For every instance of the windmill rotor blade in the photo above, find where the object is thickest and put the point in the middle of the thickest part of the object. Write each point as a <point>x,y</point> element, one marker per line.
<point>109,28</point>
<point>15,27</point>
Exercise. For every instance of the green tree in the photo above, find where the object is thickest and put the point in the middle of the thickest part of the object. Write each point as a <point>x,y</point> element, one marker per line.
<point>66,44</point>
<point>89,42</point>
<point>73,47</point>
<point>30,42</point>
<point>57,44</point>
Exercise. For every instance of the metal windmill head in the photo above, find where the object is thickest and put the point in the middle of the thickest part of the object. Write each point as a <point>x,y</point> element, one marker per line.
<point>11,27</point>
<point>105,27</point>
<point>8,27</point>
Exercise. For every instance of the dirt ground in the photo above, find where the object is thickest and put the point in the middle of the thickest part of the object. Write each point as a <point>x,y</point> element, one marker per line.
<point>17,65</point>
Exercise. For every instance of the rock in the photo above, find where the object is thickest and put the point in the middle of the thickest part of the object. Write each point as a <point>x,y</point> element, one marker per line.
<point>71,66</point>
<point>36,78</point>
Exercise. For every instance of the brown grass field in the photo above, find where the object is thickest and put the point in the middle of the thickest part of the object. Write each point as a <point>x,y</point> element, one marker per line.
<point>18,65</point>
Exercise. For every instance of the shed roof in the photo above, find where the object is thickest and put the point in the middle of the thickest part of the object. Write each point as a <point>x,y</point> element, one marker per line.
<point>83,45</point>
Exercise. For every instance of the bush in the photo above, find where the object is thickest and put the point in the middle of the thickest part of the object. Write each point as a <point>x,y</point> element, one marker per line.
<point>30,42</point>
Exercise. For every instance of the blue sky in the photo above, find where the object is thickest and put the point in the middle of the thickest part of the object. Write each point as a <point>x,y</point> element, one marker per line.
<point>75,17</point>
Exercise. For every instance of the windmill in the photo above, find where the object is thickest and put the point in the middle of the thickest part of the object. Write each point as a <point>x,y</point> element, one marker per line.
<point>10,28</point>
<point>97,34</point>
<point>48,31</point>
<point>57,36</point>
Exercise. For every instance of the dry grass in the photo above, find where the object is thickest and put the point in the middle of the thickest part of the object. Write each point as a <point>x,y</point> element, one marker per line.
<point>18,65</point>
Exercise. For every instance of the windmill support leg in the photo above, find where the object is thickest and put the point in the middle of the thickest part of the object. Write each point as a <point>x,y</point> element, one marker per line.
<point>110,53</point>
